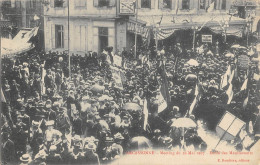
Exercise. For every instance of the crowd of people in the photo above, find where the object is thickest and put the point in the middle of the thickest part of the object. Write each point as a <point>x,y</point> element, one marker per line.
<point>56,115</point>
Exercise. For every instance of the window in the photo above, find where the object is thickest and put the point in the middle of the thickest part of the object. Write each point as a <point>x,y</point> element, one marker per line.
<point>215,3</point>
<point>80,3</point>
<point>166,4</point>
<point>59,36</point>
<point>17,4</point>
<point>202,4</point>
<point>58,3</point>
<point>186,4</point>
<point>103,38</point>
<point>32,4</point>
<point>102,3</point>
<point>223,5</point>
<point>145,3</point>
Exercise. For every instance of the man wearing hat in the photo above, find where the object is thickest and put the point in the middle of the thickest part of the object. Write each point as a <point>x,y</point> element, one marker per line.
<point>75,155</point>
<point>90,157</point>
<point>117,148</point>
<point>53,157</point>
<point>50,113</point>
<point>8,148</point>
<point>20,136</point>
<point>62,120</point>
<point>35,133</point>
<point>76,123</point>
<point>50,133</point>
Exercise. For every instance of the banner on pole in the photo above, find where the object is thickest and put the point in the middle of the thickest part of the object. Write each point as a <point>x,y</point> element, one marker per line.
<point>117,60</point>
<point>229,126</point>
<point>116,74</point>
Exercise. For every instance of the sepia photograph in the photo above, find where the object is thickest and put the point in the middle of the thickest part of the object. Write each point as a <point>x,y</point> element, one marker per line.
<point>130,82</point>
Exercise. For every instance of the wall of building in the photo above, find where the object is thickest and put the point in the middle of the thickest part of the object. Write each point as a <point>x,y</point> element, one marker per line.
<point>84,35</point>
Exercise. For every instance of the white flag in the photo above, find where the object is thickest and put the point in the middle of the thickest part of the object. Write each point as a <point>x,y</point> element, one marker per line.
<point>162,104</point>
<point>230,93</point>
<point>244,86</point>
<point>211,7</point>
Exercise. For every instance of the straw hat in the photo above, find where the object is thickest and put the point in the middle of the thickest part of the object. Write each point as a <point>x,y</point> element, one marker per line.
<point>25,158</point>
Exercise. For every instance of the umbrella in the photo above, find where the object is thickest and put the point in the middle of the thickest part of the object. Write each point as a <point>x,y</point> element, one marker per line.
<point>191,77</point>
<point>131,107</point>
<point>139,142</point>
<point>231,55</point>
<point>242,47</point>
<point>236,46</point>
<point>193,62</point>
<point>97,88</point>
<point>184,123</point>
<point>105,97</point>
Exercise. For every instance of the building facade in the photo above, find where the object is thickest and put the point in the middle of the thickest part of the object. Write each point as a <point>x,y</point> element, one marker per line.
<point>82,26</point>
<point>21,14</point>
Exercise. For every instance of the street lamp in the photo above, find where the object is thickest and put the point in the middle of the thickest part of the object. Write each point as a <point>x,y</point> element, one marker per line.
<point>194,28</point>
<point>226,25</point>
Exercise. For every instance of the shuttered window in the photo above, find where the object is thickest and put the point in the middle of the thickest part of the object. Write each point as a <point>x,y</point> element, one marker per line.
<point>145,3</point>
<point>185,4</point>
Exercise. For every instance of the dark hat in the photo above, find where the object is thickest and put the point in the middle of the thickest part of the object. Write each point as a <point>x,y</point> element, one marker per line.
<point>90,146</point>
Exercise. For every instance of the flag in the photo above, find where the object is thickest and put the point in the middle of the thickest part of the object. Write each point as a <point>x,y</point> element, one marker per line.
<point>225,78</point>
<point>145,114</point>
<point>231,76</point>
<point>224,81</point>
<point>162,103</point>
<point>197,94</point>
<point>193,104</point>
<point>245,102</point>
<point>230,93</point>
<point>2,97</point>
<point>228,71</point>
<point>244,86</point>
<point>211,7</point>
<point>35,18</point>
<point>256,76</point>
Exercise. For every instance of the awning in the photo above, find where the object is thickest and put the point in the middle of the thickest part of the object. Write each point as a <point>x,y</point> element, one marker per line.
<point>170,23</point>
<point>255,24</point>
<point>19,44</point>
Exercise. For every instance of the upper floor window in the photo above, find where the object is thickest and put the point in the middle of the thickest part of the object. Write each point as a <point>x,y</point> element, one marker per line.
<point>58,3</point>
<point>32,4</point>
<point>145,3</point>
<point>202,4</point>
<point>80,3</point>
<point>17,4</point>
<point>59,36</point>
<point>165,4</point>
<point>186,4</point>
<point>223,4</point>
<point>103,3</point>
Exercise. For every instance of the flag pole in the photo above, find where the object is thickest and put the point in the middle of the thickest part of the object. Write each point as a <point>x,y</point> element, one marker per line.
<point>225,133</point>
<point>68,3</point>
<point>136,5</point>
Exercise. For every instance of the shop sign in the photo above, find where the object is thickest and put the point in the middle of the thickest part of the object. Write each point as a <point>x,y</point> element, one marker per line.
<point>140,30</point>
<point>127,7</point>
<point>206,38</point>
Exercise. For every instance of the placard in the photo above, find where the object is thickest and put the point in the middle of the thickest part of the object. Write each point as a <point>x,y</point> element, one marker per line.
<point>229,126</point>
<point>206,38</point>
<point>127,7</point>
